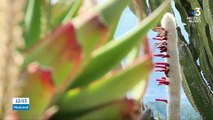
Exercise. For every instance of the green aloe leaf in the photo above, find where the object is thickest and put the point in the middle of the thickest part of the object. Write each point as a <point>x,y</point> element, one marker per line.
<point>107,89</point>
<point>118,110</point>
<point>153,4</point>
<point>46,18</point>
<point>68,12</point>
<point>60,51</point>
<point>139,90</point>
<point>115,110</point>
<point>72,12</point>
<point>144,7</point>
<point>43,88</point>
<point>32,23</point>
<point>98,25</point>
<point>65,48</point>
<point>111,54</point>
<point>139,8</point>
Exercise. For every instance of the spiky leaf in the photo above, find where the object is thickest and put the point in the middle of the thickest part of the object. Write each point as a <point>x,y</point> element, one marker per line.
<point>104,90</point>
<point>43,88</point>
<point>60,51</point>
<point>32,23</point>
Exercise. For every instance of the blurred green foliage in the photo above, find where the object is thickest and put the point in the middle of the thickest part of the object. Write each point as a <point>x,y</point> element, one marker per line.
<point>72,67</point>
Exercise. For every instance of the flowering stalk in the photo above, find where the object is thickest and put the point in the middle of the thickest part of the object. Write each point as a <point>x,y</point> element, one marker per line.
<point>167,37</point>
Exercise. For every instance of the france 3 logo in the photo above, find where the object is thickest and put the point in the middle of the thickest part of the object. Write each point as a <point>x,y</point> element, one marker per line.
<point>21,104</point>
<point>194,15</point>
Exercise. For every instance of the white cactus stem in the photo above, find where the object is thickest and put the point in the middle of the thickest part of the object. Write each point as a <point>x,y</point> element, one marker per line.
<point>173,108</point>
<point>11,14</point>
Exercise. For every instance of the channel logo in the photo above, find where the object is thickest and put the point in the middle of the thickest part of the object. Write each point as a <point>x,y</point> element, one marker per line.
<point>195,12</point>
<point>194,15</point>
<point>21,104</point>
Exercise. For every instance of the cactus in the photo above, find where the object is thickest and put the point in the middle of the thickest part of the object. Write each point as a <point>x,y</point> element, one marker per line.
<point>196,54</point>
<point>168,49</point>
<point>11,38</point>
<point>69,60</point>
<point>197,80</point>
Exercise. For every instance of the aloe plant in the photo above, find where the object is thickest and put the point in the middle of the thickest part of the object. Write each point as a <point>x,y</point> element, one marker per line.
<point>70,59</point>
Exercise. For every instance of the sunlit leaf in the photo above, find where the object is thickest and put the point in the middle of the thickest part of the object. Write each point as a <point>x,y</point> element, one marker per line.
<point>67,13</point>
<point>96,26</point>
<point>38,83</point>
<point>60,51</point>
<point>32,23</point>
<point>104,90</point>
<point>118,109</point>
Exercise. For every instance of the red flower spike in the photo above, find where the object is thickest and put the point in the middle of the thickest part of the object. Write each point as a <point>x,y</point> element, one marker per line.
<point>163,49</point>
<point>161,79</point>
<point>162,66</point>
<point>161,100</point>
<point>162,55</point>
<point>163,82</point>
<point>164,43</point>
<point>160,38</point>
<point>159,66</point>
<point>161,31</point>
<point>166,71</point>
<point>162,34</point>
<point>162,63</point>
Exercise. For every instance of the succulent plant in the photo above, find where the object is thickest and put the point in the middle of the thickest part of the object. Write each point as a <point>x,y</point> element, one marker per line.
<point>167,35</point>
<point>196,55</point>
<point>195,47</point>
<point>71,64</point>
<point>64,58</point>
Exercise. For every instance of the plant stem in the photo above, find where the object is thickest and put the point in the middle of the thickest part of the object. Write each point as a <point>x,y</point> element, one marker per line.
<point>173,110</point>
